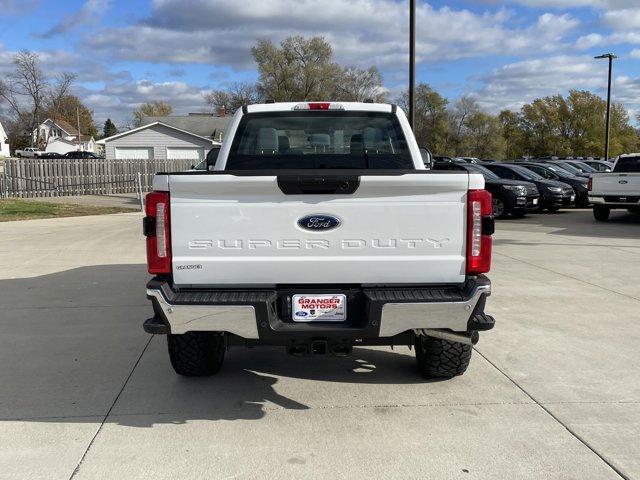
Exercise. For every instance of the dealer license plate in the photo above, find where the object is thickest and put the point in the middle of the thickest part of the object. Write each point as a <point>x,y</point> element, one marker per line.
<point>319,308</point>
<point>535,201</point>
<point>573,197</point>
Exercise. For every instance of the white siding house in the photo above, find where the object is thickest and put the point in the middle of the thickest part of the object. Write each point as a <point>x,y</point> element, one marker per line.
<point>60,137</point>
<point>158,140</point>
<point>4,146</point>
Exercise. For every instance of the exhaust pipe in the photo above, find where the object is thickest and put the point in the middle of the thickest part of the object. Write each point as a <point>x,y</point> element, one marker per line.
<point>460,337</point>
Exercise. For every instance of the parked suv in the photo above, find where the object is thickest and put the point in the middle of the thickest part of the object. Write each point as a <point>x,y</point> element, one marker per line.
<point>550,171</point>
<point>510,197</point>
<point>319,229</point>
<point>554,195</point>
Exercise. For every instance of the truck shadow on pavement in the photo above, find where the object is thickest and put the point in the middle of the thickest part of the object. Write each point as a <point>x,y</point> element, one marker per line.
<point>73,349</point>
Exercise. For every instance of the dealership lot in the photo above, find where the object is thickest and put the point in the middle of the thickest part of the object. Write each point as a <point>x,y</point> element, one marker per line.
<point>552,392</point>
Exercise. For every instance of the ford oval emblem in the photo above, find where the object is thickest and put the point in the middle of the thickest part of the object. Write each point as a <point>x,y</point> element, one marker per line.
<point>318,222</point>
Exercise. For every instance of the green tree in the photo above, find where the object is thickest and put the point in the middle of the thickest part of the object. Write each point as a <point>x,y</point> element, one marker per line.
<point>157,108</point>
<point>298,69</point>
<point>430,129</point>
<point>482,136</point>
<point>512,135</point>
<point>109,129</point>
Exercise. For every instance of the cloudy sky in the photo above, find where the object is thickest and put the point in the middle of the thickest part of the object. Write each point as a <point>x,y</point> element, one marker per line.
<point>504,52</point>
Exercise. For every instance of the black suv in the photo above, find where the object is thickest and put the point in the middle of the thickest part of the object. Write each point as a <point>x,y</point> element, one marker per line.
<point>553,194</point>
<point>510,197</point>
<point>550,171</point>
<point>81,154</point>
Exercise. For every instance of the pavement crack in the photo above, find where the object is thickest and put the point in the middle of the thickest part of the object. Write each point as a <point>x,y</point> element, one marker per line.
<point>106,416</point>
<point>556,418</point>
<point>569,276</point>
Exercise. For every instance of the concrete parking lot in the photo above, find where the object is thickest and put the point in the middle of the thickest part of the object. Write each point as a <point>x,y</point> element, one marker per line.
<point>552,392</point>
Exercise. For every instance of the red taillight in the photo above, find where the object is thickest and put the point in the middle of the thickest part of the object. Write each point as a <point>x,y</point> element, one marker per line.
<point>158,232</point>
<point>479,231</point>
<point>319,105</point>
<point>590,184</point>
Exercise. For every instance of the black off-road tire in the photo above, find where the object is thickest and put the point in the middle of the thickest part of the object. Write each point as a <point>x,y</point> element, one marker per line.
<point>600,213</point>
<point>441,358</point>
<point>196,354</point>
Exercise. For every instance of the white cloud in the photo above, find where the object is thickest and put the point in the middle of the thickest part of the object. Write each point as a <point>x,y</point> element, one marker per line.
<point>364,32</point>
<point>119,100</point>
<point>515,84</point>
<point>635,53</point>
<point>589,41</point>
<point>90,11</point>
<point>625,19</point>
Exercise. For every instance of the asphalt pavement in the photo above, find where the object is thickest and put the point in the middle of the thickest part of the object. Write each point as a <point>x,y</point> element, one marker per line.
<point>553,392</point>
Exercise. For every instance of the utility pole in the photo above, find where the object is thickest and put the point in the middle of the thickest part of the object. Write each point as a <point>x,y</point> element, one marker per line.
<point>78,118</point>
<point>412,61</point>
<point>609,56</point>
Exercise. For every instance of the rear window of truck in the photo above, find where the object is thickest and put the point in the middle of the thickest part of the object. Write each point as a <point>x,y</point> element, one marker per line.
<point>313,140</point>
<point>627,165</point>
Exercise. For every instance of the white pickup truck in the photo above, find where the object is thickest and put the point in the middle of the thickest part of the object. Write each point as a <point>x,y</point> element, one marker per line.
<point>618,189</point>
<point>319,229</point>
<point>29,152</point>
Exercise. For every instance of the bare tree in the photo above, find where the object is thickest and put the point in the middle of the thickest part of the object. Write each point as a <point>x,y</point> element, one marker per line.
<point>59,91</point>
<point>234,97</point>
<point>156,108</point>
<point>356,84</point>
<point>28,81</point>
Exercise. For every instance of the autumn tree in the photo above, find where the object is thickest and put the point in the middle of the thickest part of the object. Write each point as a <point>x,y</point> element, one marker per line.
<point>71,109</point>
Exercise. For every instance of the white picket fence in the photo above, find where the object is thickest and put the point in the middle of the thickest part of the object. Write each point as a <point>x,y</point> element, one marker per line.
<point>37,177</point>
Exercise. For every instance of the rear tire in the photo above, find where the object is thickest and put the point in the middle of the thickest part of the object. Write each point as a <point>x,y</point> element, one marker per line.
<point>196,354</point>
<point>439,358</point>
<point>600,213</point>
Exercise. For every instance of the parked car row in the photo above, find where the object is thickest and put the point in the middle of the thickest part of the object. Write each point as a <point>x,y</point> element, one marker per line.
<point>521,188</point>
<point>31,152</point>
<point>551,183</point>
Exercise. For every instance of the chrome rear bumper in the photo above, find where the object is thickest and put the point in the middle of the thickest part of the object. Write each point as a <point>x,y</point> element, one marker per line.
<point>252,314</point>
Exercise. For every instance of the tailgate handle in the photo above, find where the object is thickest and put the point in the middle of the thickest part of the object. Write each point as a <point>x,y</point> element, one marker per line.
<point>318,184</point>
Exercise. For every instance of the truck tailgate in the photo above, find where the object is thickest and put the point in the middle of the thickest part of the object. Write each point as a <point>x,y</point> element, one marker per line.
<point>243,230</point>
<point>618,184</point>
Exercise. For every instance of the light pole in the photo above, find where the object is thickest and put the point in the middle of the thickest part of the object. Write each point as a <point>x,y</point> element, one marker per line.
<point>610,56</point>
<point>412,61</point>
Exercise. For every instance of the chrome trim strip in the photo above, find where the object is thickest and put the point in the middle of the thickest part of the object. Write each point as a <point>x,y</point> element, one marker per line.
<point>237,319</point>
<point>400,317</point>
